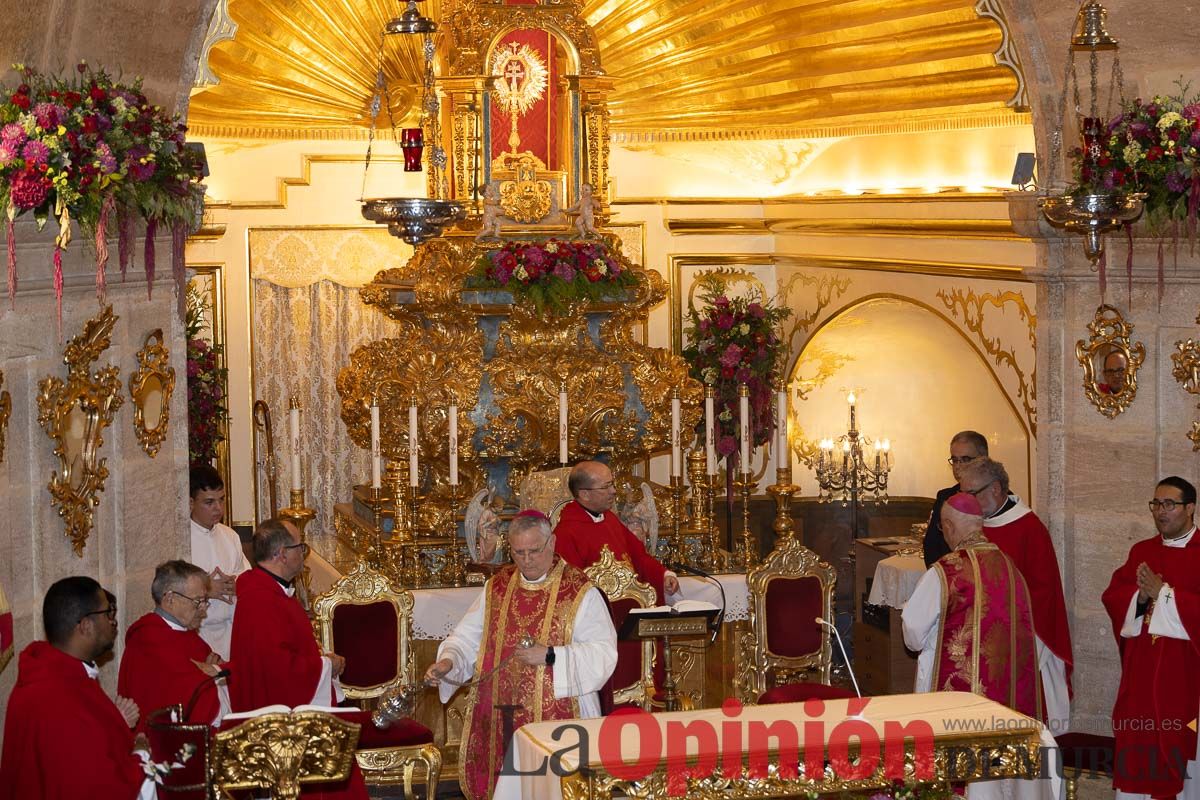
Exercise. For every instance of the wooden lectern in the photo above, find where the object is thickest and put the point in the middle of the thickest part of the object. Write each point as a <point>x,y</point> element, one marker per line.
<point>665,623</point>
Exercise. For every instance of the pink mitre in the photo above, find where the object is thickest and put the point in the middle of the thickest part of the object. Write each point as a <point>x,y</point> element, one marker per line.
<point>965,503</point>
<point>533,512</point>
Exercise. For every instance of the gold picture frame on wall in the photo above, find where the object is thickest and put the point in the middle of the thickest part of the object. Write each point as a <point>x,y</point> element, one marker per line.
<point>151,387</point>
<point>754,272</point>
<point>1110,362</point>
<point>5,413</point>
<point>74,414</point>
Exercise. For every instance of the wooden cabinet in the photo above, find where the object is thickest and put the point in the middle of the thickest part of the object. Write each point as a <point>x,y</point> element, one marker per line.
<point>882,663</point>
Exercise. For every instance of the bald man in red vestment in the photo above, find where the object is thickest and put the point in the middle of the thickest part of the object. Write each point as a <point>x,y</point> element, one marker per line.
<point>63,737</point>
<point>165,661</point>
<point>1153,601</point>
<point>1013,527</point>
<point>588,523</point>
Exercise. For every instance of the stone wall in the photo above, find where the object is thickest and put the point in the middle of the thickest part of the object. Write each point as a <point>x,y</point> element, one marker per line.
<point>141,519</point>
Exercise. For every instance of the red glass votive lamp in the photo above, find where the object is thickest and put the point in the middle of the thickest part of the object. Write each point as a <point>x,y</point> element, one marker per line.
<point>412,143</point>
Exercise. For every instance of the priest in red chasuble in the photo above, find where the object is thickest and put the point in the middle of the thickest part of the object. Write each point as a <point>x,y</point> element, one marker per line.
<point>165,661</point>
<point>63,737</point>
<point>1154,603</point>
<point>588,523</point>
<point>1013,527</point>
<point>540,644</point>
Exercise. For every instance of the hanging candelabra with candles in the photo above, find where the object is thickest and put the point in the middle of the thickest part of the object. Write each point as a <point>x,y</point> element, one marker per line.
<point>1090,206</point>
<point>853,468</point>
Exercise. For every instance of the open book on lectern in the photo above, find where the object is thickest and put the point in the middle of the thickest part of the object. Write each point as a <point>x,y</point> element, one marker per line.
<point>282,709</point>
<point>687,618</point>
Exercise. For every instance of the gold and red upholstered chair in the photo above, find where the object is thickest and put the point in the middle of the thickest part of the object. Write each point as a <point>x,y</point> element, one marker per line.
<point>633,679</point>
<point>367,619</point>
<point>786,656</point>
<point>167,740</point>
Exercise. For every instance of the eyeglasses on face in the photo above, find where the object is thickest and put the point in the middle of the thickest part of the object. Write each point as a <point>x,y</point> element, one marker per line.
<point>1165,505</point>
<point>958,461</point>
<point>201,602</point>
<point>531,553</point>
<point>604,487</point>
<point>976,492</point>
<point>110,612</point>
<point>294,546</point>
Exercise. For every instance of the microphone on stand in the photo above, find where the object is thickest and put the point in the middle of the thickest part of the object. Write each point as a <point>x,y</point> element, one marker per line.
<point>842,647</point>
<point>720,618</point>
<point>191,703</point>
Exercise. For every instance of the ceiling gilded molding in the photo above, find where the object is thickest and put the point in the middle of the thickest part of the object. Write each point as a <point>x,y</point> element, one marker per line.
<point>727,70</point>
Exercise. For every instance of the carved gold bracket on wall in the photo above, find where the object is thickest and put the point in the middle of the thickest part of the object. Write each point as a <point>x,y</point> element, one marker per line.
<point>5,413</point>
<point>825,288</point>
<point>74,414</point>
<point>1187,372</point>
<point>971,308</point>
<point>151,387</point>
<point>1108,335</point>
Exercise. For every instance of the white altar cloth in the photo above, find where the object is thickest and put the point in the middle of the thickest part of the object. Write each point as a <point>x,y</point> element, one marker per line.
<point>953,716</point>
<point>895,580</point>
<point>437,611</point>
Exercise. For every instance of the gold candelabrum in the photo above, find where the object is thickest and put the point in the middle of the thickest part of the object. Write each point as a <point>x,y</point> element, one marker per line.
<point>783,490</point>
<point>747,550</point>
<point>845,472</point>
<point>300,515</point>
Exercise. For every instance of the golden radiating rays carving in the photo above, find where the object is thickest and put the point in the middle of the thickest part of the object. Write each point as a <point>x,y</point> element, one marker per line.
<point>308,70</point>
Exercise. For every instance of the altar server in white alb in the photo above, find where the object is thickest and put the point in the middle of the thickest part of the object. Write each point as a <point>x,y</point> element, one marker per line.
<point>216,549</point>
<point>541,600</point>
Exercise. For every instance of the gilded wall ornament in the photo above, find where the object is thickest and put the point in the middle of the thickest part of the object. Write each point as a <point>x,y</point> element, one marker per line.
<point>5,413</point>
<point>151,387</point>
<point>1187,372</point>
<point>74,414</point>
<point>1110,362</point>
<point>971,307</point>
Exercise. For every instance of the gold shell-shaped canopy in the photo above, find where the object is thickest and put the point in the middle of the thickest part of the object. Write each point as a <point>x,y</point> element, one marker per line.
<point>792,67</point>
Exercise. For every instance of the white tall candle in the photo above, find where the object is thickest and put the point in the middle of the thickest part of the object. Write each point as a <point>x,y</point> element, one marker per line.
<point>563,439</point>
<point>452,415</point>
<point>376,465</point>
<point>710,442</point>
<point>294,425</point>
<point>676,453</point>
<point>413,476</point>
<point>744,417</point>
<point>781,429</point>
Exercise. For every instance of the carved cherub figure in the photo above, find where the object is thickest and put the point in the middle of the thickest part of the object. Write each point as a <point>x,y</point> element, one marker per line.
<point>489,226</point>
<point>584,212</point>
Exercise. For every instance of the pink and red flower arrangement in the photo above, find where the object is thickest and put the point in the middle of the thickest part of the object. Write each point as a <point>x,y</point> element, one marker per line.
<point>1153,148</point>
<point>553,273</point>
<point>735,341</point>
<point>89,150</point>
<point>206,376</point>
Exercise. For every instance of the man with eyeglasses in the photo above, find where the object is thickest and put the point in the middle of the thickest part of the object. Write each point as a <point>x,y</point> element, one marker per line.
<point>1153,601</point>
<point>1013,527</point>
<point>1113,373</point>
<point>587,525</point>
<point>965,447</point>
<point>540,642</point>
<point>63,737</point>
<point>274,651</point>
<point>165,661</point>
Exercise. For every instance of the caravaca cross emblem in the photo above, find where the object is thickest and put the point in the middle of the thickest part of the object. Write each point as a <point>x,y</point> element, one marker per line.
<point>520,83</point>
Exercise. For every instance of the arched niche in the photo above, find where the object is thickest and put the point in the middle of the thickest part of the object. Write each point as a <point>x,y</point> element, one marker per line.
<point>918,381</point>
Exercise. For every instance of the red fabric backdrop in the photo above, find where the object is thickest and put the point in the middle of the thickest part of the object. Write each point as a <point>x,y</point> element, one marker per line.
<point>538,127</point>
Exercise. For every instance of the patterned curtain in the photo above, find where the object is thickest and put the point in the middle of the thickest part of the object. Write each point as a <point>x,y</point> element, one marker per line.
<point>307,319</point>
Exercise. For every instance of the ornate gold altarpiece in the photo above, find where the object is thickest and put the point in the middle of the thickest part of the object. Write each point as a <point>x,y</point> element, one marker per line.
<point>497,357</point>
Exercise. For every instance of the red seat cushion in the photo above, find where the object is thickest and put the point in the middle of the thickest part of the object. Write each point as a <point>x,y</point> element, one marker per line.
<point>365,635</point>
<point>792,605</point>
<point>401,733</point>
<point>799,692</point>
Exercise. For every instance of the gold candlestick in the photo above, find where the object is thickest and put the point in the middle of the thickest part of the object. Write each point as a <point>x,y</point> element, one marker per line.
<point>748,550</point>
<point>300,515</point>
<point>672,551</point>
<point>454,571</point>
<point>715,559</point>
<point>783,490</point>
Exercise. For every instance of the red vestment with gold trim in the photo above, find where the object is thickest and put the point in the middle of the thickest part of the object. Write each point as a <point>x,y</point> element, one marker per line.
<point>515,609</point>
<point>986,642</point>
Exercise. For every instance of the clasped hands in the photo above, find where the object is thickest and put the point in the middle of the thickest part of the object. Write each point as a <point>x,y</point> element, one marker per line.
<point>1149,582</point>
<point>223,587</point>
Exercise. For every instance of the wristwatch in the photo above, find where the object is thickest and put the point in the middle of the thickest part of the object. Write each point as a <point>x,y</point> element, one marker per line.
<point>549,656</point>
